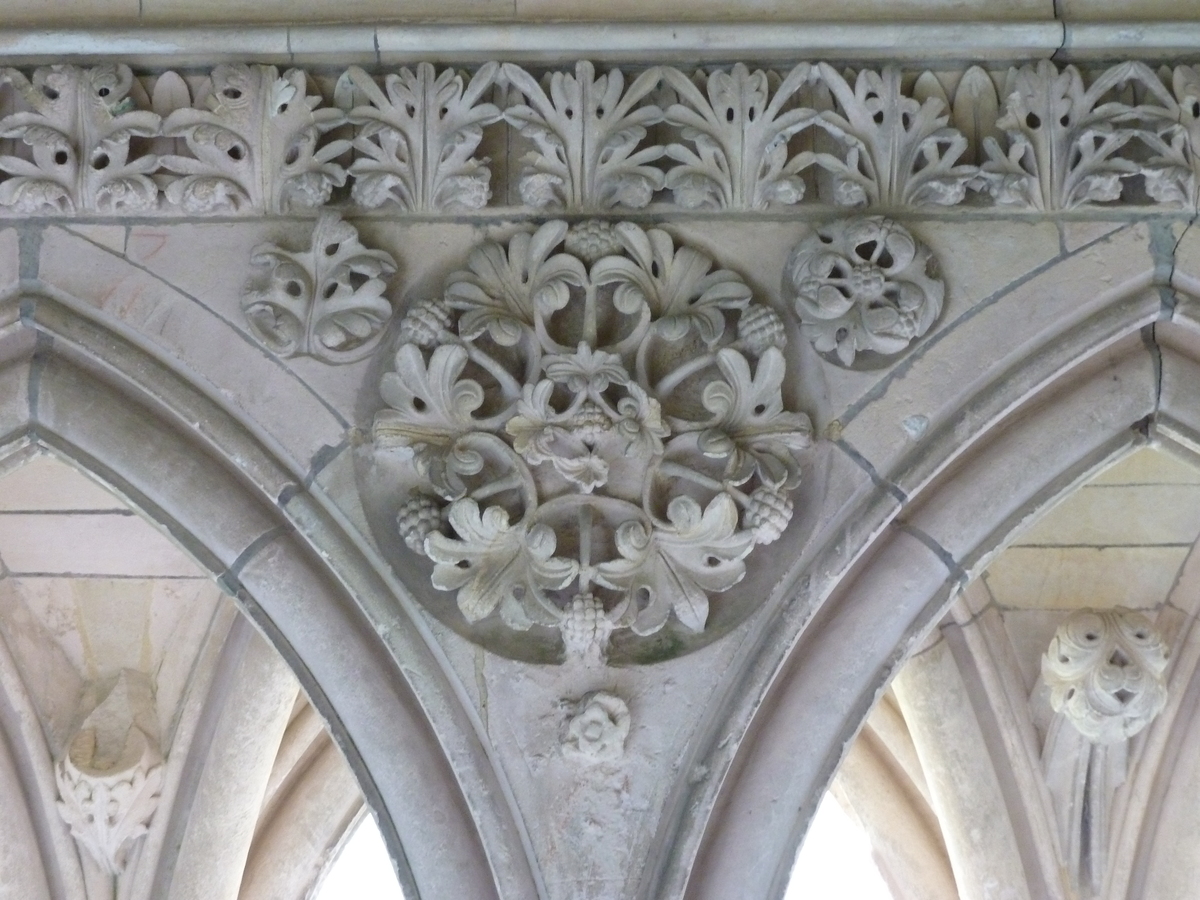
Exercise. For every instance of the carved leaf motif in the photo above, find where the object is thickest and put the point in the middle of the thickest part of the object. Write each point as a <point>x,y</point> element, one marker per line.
<point>255,146</point>
<point>1173,173</point>
<point>492,562</point>
<point>416,142</point>
<point>1063,143</point>
<point>1105,671</point>
<point>897,151</point>
<point>676,285</point>
<point>587,131</point>
<point>749,427</point>
<point>739,155</point>
<point>976,109</point>
<point>78,129</point>
<point>429,404</point>
<point>326,301</point>
<point>501,292</point>
<point>675,567</point>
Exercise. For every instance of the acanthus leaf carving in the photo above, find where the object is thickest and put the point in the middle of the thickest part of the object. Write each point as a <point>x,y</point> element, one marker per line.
<point>78,127</point>
<point>416,142</point>
<point>863,284</point>
<point>255,146</point>
<point>1172,174</point>
<point>325,301</point>
<point>606,442</point>
<point>739,158</point>
<point>110,777</point>
<point>588,131</point>
<point>898,151</point>
<point>1064,143</point>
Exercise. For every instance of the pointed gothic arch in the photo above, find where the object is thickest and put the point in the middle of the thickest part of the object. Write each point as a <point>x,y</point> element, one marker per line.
<point>82,389</point>
<point>1109,372</point>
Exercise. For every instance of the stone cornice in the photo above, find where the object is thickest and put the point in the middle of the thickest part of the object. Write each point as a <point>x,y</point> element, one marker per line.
<point>538,42</point>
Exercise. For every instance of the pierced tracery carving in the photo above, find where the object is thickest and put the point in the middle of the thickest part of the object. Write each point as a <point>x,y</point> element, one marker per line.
<point>326,301</point>
<point>605,443</point>
<point>110,777</point>
<point>863,284</point>
<point>1105,671</point>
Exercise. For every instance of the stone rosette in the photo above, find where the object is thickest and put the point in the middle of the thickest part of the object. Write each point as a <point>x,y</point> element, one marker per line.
<point>591,443</point>
<point>863,284</point>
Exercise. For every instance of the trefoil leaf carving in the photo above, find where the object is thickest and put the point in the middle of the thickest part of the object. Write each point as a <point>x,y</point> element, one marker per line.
<point>325,301</point>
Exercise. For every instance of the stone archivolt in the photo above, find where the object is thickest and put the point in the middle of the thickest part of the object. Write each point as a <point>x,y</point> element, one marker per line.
<point>247,139</point>
<point>599,415</point>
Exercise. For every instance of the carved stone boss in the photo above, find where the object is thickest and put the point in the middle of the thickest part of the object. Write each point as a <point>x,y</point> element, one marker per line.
<point>1105,671</point>
<point>596,431</point>
<point>248,139</point>
<point>110,776</point>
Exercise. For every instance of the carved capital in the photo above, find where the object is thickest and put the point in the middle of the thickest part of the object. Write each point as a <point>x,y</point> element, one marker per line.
<point>1105,671</point>
<point>110,777</point>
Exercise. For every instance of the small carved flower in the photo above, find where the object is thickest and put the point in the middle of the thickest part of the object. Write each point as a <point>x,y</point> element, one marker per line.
<point>425,323</point>
<point>587,472</point>
<point>592,240</point>
<point>586,370</point>
<point>419,517</point>
<point>597,731</point>
<point>759,327</point>
<point>768,514</point>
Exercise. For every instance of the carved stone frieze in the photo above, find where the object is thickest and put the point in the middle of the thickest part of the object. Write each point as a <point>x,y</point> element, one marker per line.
<point>249,140</point>
<point>325,301</point>
<point>863,285</point>
<point>110,776</point>
<point>591,442</point>
<point>597,730</point>
<point>1104,669</point>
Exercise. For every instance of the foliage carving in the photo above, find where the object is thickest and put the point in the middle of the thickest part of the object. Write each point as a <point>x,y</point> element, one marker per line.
<point>606,442</point>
